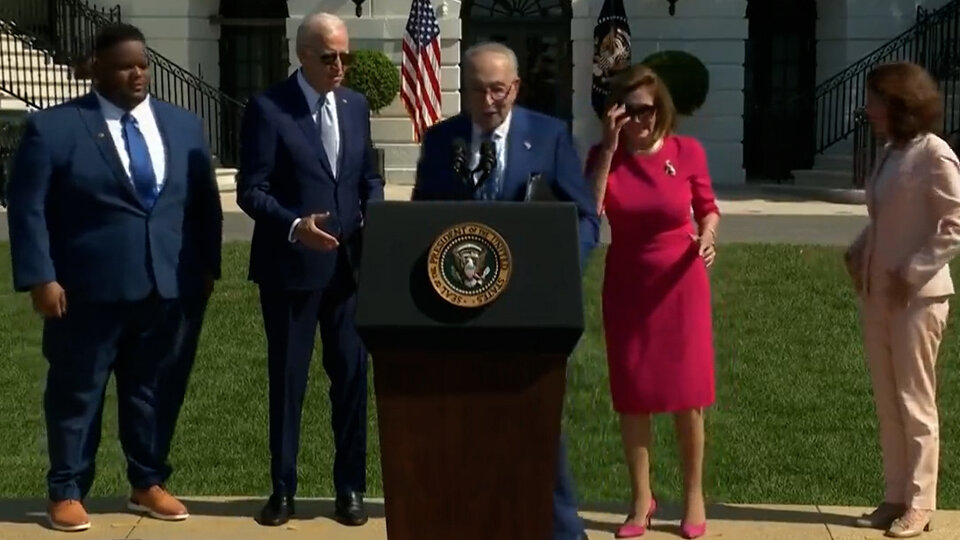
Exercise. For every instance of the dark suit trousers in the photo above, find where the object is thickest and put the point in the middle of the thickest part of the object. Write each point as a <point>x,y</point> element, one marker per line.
<point>131,339</point>
<point>567,524</point>
<point>290,320</point>
<point>175,375</point>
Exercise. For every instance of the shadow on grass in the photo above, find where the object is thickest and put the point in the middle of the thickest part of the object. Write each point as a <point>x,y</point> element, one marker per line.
<point>669,512</point>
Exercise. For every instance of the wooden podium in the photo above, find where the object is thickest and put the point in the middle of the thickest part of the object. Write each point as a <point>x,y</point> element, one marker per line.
<point>469,311</point>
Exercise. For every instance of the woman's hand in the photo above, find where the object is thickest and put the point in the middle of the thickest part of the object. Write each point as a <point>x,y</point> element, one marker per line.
<point>898,289</point>
<point>706,247</point>
<point>613,122</point>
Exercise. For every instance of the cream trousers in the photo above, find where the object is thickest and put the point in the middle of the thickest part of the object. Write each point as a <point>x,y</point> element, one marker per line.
<point>901,346</point>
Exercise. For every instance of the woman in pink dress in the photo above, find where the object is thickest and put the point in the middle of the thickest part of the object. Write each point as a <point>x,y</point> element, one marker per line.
<point>656,294</point>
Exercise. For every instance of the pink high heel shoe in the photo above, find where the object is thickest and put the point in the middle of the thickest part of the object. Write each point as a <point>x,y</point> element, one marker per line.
<point>632,530</point>
<point>693,531</point>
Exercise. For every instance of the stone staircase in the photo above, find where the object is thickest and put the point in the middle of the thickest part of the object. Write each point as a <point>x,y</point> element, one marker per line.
<point>834,171</point>
<point>47,82</point>
<point>392,130</point>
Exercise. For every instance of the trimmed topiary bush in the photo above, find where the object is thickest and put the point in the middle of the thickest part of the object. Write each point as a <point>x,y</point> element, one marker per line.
<point>686,78</point>
<point>373,75</point>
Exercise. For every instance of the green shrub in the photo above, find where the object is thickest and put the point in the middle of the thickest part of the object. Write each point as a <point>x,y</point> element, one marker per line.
<point>685,76</point>
<point>373,75</point>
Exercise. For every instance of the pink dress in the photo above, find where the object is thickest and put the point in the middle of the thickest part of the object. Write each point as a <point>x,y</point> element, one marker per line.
<point>656,294</point>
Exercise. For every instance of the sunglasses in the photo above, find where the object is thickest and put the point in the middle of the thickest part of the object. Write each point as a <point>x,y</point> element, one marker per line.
<point>638,111</point>
<point>330,58</point>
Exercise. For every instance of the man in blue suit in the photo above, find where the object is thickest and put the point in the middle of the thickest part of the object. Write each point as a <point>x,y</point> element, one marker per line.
<point>526,142</point>
<point>115,226</point>
<point>306,174</point>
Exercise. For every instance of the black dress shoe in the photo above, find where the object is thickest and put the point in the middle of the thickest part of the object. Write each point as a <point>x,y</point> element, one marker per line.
<point>277,511</point>
<point>349,509</point>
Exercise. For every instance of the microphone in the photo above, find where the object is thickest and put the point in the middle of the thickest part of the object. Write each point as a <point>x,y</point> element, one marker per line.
<point>488,161</point>
<point>460,159</point>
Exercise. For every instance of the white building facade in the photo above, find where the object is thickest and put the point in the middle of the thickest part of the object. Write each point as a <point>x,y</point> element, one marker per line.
<point>758,53</point>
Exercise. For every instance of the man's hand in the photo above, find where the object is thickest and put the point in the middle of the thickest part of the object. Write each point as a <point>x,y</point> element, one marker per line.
<point>308,233</point>
<point>49,300</point>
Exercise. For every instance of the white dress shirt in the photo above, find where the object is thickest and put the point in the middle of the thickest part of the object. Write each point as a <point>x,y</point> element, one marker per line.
<point>314,102</point>
<point>499,141</point>
<point>143,113</point>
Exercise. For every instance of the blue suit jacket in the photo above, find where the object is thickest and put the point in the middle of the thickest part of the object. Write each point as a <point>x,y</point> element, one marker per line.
<point>74,216</point>
<point>285,174</point>
<point>536,143</point>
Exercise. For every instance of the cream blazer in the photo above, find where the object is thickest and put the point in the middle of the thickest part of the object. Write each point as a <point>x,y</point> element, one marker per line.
<point>913,199</point>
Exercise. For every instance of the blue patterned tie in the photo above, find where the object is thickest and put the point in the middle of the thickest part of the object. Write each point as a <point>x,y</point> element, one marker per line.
<point>141,167</point>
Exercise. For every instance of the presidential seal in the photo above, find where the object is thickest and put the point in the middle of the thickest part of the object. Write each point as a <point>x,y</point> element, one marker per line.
<point>469,265</point>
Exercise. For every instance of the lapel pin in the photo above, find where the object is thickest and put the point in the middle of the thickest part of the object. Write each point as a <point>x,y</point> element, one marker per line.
<point>668,167</point>
<point>526,144</point>
<point>101,135</point>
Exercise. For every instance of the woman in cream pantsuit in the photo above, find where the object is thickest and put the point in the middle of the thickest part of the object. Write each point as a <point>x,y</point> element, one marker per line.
<point>899,265</point>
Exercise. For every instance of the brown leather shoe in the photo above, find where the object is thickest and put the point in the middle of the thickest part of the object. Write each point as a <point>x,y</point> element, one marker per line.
<point>158,504</point>
<point>68,516</point>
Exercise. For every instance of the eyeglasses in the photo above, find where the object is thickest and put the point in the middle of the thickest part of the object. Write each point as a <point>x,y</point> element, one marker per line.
<point>498,92</point>
<point>330,57</point>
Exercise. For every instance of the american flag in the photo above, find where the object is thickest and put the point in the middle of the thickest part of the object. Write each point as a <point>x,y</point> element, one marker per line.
<point>420,86</point>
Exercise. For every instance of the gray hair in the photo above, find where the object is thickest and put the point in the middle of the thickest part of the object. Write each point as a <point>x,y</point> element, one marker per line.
<point>492,47</point>
<point>317,24</point>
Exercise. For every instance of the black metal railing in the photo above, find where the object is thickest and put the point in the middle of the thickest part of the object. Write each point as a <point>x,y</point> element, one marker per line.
<point>932,42</point>
<point>61,28</point>
<point>30,73</point>
<point>866,145</point>
<point>939,53</point>
<point>42,41</point>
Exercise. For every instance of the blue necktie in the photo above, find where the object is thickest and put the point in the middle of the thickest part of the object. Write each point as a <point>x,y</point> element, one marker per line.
<point>141,167</point>
<point>488,191</point>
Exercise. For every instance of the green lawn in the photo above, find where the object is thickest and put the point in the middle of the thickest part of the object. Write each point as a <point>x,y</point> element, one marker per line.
<point>793,423</point>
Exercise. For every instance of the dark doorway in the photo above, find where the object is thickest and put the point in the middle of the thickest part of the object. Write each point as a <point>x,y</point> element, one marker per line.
<point>779,120</point>
<point>538,31</point>
<point>254,52</point>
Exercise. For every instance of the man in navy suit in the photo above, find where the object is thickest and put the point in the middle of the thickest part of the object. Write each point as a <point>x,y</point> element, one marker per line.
<point>306,174</point>
<point>115,226</point>
<point>526,142</point>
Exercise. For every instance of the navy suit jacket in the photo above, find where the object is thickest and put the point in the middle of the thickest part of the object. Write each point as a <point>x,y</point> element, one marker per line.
<point>285,174</point>
<point>536,143</point>
<point>74,216</point>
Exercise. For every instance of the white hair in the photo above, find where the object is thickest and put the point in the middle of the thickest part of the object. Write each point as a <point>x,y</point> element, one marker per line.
<point>317,24</point>
<point>492,47</point>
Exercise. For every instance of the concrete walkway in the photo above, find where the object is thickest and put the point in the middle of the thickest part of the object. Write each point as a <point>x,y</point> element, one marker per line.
<point>232,519</point>
<point>739,201</point>
<point>750,214</point>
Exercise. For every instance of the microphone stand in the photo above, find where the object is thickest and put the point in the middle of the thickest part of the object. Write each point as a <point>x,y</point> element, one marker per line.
<point>474,179</point>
